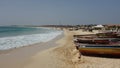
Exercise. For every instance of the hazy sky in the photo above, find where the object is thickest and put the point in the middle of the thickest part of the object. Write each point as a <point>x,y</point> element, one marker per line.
<point>37,12</point>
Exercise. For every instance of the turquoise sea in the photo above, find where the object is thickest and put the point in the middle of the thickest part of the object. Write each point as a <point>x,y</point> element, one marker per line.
<point>14,37</point>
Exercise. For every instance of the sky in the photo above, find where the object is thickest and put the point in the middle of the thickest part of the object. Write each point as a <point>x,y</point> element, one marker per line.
<point>44,12</point>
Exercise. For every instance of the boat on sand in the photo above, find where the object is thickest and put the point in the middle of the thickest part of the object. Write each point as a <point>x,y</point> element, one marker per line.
<point>100,50</point>
<point>101,44</point>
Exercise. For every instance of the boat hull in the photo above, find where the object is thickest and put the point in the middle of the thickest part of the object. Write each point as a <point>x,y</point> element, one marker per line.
<point>108,51</point>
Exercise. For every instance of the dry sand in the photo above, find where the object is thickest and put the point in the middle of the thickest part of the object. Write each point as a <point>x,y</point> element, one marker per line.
<point>66,56</point>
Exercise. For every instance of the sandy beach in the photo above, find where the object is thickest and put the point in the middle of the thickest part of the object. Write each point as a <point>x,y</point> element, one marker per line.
<point>16,58</point>
<point>58,53</point>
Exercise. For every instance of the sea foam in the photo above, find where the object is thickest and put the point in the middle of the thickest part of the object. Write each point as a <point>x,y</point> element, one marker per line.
<point>26,40</point>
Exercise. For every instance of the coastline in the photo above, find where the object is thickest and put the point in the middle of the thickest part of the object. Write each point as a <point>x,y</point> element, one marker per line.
<point>15,58</point>
<point>15,37</point>
<point>63,54</point>
<point>66,56</point>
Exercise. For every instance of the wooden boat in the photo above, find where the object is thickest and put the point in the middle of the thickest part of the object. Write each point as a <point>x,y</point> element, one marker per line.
<point>108,35</point>
<point>100,50</point>
<point>99,35</point>
<point>103,41</point>
<point>96,40</point>
<point>100,44</point>
<point>99,38</point>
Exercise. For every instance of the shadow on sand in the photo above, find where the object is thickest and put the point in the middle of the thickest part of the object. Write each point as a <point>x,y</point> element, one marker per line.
<point>104,56</point>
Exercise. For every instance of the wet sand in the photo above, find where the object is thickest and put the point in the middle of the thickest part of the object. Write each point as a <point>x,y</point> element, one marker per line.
<point>16,58</point>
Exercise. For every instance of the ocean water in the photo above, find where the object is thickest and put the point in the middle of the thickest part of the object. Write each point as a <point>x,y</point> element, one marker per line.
<point>14,37</point>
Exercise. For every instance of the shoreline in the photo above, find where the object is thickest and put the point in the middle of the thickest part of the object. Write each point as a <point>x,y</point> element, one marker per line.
<point>63,54</point>
<point>11,49</point>
<point>66,56</point>
<point>19,55</point>
<point>25,37</point>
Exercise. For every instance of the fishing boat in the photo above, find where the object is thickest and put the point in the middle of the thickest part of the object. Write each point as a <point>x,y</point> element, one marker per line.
<point>100,44</point>
<point>108,35</point>
<point>100,50</point>
<point>99,35</point>
<point>92,39</point>
<point>97,40</point>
